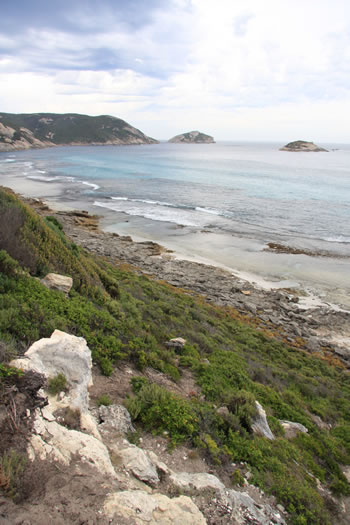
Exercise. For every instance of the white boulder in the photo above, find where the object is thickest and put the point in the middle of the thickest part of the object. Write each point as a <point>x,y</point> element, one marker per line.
<point>293,429</point>
<point>66,354</point>
<point>114,418</point>
<point>138,462</point>
<point>260,425</point>
<point>55,281</point>
<point>53,441</point>
<point>153,509</point>
<point>199,481</point>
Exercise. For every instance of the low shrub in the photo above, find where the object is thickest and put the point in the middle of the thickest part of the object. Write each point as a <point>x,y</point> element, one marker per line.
<point>57,384</point>
<point>12,465</point>
<point>104,400</point>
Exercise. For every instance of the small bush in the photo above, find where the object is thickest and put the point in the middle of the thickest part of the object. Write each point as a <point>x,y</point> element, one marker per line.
<point>57,384</point>
<point>138,382</point>
<point>53,220</point>
<point>104,400</point>
<point>160,410</point>
<point>7,352</point>
<point>12,466</point>
<point>237,478</point>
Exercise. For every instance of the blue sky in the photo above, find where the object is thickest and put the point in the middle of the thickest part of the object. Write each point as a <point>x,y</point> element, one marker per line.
<point>239,70</point>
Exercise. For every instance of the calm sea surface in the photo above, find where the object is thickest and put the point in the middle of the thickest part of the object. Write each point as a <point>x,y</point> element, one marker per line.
<point>248,189</point>
<point>241,195</point>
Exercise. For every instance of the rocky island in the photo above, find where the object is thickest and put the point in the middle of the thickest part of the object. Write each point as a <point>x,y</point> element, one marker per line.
<point>193,137</point>
<point>42,130</point>
<point>301,145</point>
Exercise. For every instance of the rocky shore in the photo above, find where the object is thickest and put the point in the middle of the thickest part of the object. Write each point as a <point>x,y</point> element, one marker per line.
<point>281,313</point>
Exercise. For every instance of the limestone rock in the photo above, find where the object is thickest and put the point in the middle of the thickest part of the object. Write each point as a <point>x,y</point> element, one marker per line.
<point>260,425</point>
<point>245,510</point>
<point>114,418</point>
<point>199,481</point>
<point>66,354</point>
<point>293,429</point>
<point>138,462</point>
<point>153,509</point>
<point>177,342</point>
<point>56,442</point>
<point>55,281</point>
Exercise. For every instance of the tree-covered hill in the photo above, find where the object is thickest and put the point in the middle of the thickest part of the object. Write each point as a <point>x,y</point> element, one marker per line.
<point>24,131</point>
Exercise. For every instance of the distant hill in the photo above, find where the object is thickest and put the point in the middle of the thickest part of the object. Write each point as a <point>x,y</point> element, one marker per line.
<point>193,137</point>
<point>301,145</point>
<point>40,130</point>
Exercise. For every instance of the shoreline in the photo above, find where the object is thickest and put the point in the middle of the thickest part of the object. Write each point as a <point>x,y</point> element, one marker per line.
<point>286,314</point>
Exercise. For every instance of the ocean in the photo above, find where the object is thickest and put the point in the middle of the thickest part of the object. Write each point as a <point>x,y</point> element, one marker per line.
<point>220,202</point>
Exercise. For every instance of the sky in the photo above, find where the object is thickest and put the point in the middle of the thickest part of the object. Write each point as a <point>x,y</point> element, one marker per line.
<point>271,70</point>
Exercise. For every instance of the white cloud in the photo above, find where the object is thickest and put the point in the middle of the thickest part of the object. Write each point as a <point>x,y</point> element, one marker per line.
<point>242,69</point>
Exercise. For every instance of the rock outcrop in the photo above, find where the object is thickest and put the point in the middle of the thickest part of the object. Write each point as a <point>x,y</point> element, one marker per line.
<point>260,425</point>
<point>138,507</point>
<point>301,145</point>
<point>42,130</point>
<point>55,281</point>
<point>62,354</point>
<point>193,137</point>
<point>126,474</point>
<point>139,463</point>
<point>293,429</point>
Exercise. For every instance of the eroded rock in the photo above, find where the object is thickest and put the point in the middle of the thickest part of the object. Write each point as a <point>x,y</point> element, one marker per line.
<point>293,429</point>
<point>114,418</point>
<point>138,462</point>
<point>198,481</point>
<point>55,281</point>
<point>153,509</point>
<point>66,354</point>
<point>260,425</point>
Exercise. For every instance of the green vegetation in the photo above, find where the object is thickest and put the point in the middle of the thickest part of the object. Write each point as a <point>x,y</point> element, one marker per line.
<point>125,316</point>
<point>72,127</point>
<point>12,466</point>
<point>57,384</point>
<point>104,400</point>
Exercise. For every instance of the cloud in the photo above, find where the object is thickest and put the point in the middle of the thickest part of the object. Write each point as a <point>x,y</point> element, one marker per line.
<point>163,64</point>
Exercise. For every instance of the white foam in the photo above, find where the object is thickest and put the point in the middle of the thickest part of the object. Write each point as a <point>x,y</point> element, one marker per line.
<point>212,211</point>
<point>154,214</point>
<point>91,184</point>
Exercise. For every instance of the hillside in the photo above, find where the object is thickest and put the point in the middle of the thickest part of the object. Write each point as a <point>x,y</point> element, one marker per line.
<point>39,130</point>
<point>197,397</point>
<point>192,137</point>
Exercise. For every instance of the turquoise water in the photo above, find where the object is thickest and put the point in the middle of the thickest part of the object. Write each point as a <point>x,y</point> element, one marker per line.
<point>249,190</point>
